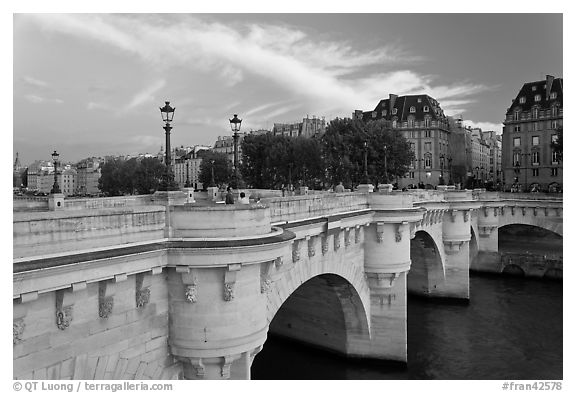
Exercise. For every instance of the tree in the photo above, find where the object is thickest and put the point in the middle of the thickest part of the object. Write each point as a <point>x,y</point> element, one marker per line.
<point>118,177</point>
<point>388,152</point>
<point>148,175</point>
<point>223,172</point>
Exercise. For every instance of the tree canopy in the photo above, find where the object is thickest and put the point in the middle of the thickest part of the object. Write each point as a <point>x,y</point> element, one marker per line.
<point>118,177</point>
<point>388,152</point>
<point>270,161</point>
<point>223,172</point>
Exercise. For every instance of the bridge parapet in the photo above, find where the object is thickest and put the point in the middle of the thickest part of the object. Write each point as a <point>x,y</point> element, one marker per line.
<point>308,206</point>
<point>41,233</point>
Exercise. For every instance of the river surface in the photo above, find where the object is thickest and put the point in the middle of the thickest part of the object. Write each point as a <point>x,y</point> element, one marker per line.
<point>511,329</point>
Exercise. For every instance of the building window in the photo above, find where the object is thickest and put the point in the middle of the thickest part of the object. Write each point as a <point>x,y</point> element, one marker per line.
<point>534,113</point>
<point>426,109</point>
<point>419,99</point>
<point>522,100</point>
<point>428,133</point>
<point>516,115</point>
<point>553,95</point>
<point>411,175</point>
<point>394,111</point>
<point>535,158</point>
<point>534,88</point>
<point>555,157</point>
<point>535,140</point>
<point>537,98</point>
<point>535,172</point>
<point>428,161</point>
<point>555,110</point>
<point>517,128</point>
<point>426,122</point>
<point>554,124</point>
<point>412,109</point>
<point>411,122</point>
<point>554,172</point>
<point>516,142</point>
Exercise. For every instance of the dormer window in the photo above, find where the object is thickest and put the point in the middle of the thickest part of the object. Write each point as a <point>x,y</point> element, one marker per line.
<point>426,109</point>
<point>522,100</point>
<point>384,112</point>
<point>394,111</point>
<point>537,97</point>
<point>534,88</point>
<point>534,113</point>
<point>516,115</point>
<point>374,114</point>
<point>412,109</point>
<point>553,95</point>
<point>419,100</point>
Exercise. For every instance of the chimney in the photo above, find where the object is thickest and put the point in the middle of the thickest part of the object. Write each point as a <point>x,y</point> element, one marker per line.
<point>392,101</point>
<point>549,80</point>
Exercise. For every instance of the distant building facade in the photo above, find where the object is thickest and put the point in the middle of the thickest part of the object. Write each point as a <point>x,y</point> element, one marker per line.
<point>225,144</point>
<point>532,123</point>
<point>422,122</point>
<point>87,176</point>
<point>307,128</point>
<point>187,167</point>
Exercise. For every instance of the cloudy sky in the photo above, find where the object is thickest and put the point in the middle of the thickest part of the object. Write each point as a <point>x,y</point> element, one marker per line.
<point>91,84</point>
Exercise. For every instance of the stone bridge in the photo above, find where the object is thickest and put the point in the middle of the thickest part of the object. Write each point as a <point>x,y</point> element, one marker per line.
<point>164,289</point>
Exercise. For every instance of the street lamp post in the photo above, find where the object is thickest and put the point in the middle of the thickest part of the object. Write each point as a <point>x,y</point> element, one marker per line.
<point>235,124</point>
<point>442,156</point>
<point>212,183</point>
<point>187,174</point>
<point>366,180</point>
<point>450,181</point>
<point>385,165</point>
<point>290,177</point>
<point>477,176</point>
<point>167,113</point>
<point>55,187</point>
<point>419,160</point>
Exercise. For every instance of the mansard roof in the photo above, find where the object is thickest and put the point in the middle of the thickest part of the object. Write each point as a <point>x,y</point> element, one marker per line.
<point>402,104</point>
<point>529,92</point>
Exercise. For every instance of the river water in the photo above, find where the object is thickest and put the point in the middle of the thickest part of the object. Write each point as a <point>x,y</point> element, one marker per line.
<point>511,329</point>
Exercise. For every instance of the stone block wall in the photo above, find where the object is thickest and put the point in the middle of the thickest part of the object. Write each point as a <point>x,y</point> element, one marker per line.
<point>54,232</point>
<point>130,343</point>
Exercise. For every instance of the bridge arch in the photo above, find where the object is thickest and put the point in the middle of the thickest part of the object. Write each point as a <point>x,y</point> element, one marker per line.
<point>427,268</point>
<point>325,307</point>
<point>552,224</point>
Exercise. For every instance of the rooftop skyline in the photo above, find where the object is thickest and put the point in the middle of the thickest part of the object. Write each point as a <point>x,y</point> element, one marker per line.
<point>91,84</point>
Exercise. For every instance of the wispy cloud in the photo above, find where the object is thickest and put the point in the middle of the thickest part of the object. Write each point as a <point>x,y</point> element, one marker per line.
<point>96,105</point>
<point>146,95</point>
<point>36,99</point>
<point>321,73</point>
<point>37,83</point>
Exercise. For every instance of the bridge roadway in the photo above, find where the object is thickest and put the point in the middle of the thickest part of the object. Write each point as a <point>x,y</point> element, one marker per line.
<point>156,288</point>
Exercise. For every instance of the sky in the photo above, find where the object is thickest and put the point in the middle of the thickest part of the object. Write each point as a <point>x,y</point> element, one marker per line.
<point>92,84</point>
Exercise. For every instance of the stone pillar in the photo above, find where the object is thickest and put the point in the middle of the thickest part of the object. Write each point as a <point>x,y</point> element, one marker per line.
<point>213,193</point>
<point>217,319</point>
<point>488,257</point>
<point>456,238</point>
<point>56,201</point>
<point>365,188</point>
<point>386,262</point>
